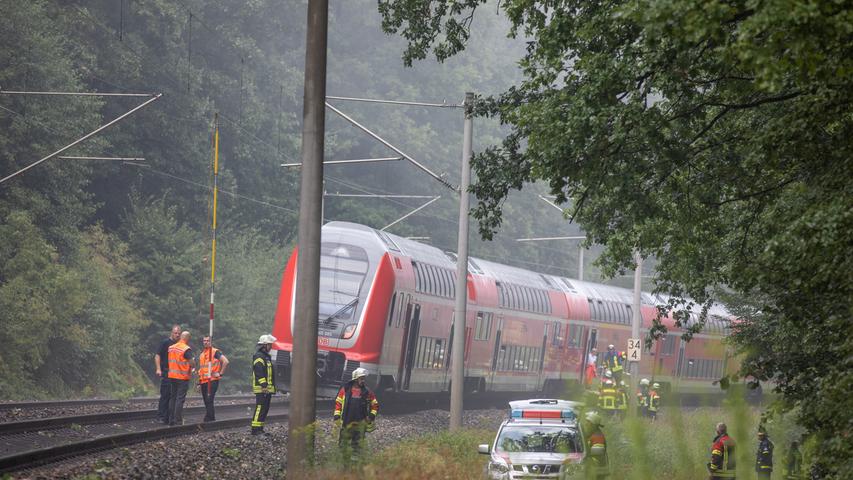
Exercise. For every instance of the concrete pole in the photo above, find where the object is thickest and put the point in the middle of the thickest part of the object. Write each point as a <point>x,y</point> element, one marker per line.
<point>300,442</point>
<point>580,261</point>
<point>457,386</point>
<point>637,318</point>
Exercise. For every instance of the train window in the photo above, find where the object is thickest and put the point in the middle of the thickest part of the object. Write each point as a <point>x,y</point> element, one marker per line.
<point>431,283</point>
<point>391,310</point>
<point>445,282</point>
<point>483,329</point>
<point>668,345</point>
<point>500,288</point>
<point>557,339</point>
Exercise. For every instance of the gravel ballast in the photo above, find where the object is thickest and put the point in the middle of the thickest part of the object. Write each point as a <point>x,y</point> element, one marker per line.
<point>236,454</point>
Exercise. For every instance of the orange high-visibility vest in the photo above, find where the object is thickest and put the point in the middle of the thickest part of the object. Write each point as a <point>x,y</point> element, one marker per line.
<point>208,355</point>
<point>179,367</point>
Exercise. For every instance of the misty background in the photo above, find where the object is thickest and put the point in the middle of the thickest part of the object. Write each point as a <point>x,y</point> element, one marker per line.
<point>100,258</point>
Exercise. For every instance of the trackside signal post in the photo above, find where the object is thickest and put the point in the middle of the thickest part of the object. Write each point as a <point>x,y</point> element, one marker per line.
<point>300,441</point>
<point>636,320</point>
<point>457,385</point>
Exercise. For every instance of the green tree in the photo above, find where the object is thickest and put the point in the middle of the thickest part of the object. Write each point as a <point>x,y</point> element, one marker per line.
<point>168,264</point>
<point>712,135</point>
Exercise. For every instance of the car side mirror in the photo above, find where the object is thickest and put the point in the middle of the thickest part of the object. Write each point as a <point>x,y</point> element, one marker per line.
<point>484,449</point>
<point>596,450</point>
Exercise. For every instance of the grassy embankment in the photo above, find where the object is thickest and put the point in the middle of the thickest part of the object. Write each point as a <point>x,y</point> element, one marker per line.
<point>676,447</point>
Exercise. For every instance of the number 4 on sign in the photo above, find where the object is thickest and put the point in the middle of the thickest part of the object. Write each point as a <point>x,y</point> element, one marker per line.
<point>634,349</point>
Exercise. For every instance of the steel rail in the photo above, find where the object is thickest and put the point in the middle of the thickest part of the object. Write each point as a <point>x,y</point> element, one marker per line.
<point>105,401</point>
<point>44,456</point>
<point>51,423</point>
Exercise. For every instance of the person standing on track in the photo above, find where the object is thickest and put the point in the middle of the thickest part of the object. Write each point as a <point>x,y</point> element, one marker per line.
<point>181,368</point>
<point>161,364</point>
<point>722,463</point>
<point>208,382</point>
<point>614,361</point>
<point>355,413</point>
<point>263,382</point>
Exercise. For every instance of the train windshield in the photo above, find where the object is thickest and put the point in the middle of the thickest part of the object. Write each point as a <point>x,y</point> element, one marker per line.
<point>342,272</point>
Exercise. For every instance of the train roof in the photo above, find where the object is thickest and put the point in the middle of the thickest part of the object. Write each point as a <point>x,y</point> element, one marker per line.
<point>420,252</point>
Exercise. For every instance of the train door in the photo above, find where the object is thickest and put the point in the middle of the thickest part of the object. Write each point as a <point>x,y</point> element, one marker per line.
<point>413,325</point>
<point>590,343</point>
<point>497,349</point>
<point>679,365</point>
<point>539,382</point>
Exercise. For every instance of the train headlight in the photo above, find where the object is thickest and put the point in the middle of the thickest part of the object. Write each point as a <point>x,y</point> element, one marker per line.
<point>349,331</point>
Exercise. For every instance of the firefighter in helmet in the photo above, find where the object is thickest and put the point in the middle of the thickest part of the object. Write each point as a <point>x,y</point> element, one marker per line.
<point>355,413</point>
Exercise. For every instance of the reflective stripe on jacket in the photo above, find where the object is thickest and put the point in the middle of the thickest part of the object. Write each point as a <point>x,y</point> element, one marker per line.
<point>615,361</point>
<point>764,456</point>
<point>342,402</point>
<point>263,375</point>
<point>654,401</point>
<point>642,398</point>
<point>607,398</point>
<point>179,367</point>
<point>208,355</point>
<point>722,457</point>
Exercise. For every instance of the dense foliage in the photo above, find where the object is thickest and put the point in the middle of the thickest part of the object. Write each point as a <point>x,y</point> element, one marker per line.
<point>714,136</point>
<point>99,259</point>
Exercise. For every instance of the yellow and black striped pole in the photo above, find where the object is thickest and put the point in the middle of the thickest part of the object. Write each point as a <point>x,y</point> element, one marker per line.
<point>213,250</point>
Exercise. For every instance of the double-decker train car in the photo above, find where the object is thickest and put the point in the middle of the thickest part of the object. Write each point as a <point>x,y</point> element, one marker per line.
<point>387,305</point>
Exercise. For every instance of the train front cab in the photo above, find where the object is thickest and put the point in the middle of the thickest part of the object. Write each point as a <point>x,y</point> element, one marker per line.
<point>356,283</point>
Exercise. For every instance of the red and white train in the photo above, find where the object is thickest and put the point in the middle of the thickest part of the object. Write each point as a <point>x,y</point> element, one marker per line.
<point>387,305</point>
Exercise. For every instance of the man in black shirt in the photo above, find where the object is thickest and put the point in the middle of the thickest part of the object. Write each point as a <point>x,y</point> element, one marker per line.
<point>161,364</point>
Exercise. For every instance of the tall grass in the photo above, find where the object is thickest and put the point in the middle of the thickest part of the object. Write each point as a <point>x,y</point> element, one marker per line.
<point>675,447</point>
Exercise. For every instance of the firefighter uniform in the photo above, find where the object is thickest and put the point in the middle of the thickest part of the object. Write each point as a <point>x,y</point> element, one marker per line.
<point>722,457</point>
<point>643,399</point>
<point>263,382</point>
<point>616,363</point>
<point>654,402</point>
<point>355,413</point>
<point>607,396</point>
<point>598,466</point>
<point>764,456</point>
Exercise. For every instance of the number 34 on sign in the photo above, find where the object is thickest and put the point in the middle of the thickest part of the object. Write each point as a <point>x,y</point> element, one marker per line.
<point>634,349</point>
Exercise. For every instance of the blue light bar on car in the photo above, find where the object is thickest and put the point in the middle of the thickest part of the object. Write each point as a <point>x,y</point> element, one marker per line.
<point>524,413</point>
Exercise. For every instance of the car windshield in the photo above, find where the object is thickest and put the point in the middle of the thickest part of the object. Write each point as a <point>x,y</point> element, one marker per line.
<point>538,438</point>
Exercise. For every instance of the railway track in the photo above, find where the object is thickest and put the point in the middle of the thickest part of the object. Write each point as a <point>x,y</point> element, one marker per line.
<point>98,402</point>
<point>29,444</point>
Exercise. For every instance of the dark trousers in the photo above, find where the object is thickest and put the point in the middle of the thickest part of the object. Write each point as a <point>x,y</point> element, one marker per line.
<point>763,475</point>
<point>163,405</point>
<point>262,406</point>
<point>177,397</point>
<point>208,392</point>
<point>351,439</point>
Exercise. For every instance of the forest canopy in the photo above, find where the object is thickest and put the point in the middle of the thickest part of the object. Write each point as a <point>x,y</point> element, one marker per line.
<point>714,136</point>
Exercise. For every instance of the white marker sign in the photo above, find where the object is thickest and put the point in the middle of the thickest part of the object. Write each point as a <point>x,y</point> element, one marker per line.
<point>634,349</point>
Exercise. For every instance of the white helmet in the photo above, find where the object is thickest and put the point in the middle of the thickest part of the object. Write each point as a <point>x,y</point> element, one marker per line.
<point>645,382</point>
<point>608,374</point>
<point>656,385</point>
<point>266,340</point>
<point>359,372</point>
<point>610,347</point>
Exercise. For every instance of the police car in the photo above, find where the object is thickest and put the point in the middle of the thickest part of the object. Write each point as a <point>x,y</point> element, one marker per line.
<point>542,439</point>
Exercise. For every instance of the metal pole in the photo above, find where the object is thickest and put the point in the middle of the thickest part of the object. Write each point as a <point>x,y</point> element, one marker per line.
<point>580,262</point>
<point>392,147</point>
<point>213,250</point>
<point>355,160</point>
<point>300,442</point>
<point>395,102</point>
<point>84,137</point>
<point>457,386</point>
<point>636,319</point>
